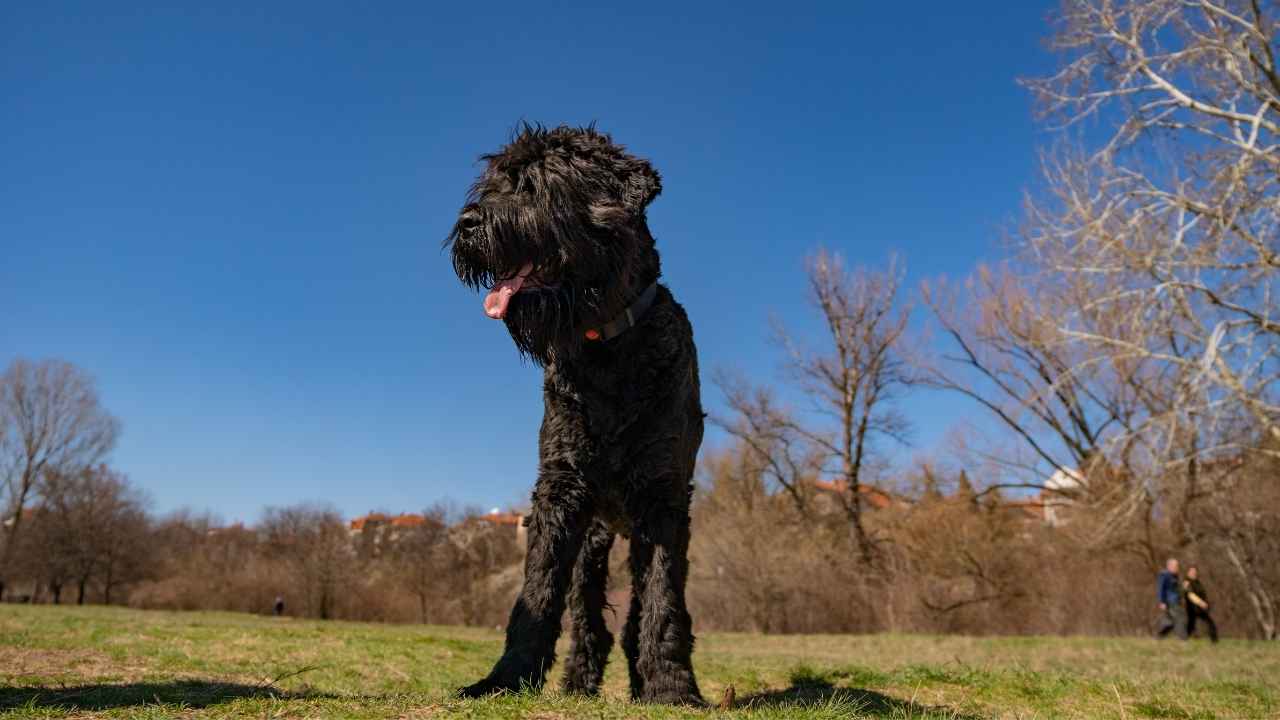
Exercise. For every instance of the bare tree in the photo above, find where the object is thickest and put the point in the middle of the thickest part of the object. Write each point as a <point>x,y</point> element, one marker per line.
<point>313,542</point>
<point>1009,356</point>
<point>41,559</point>
<point>1161,235</point>
<point>1174,219</point>
<point>851,384</point>
<point>93,528</point>
<point>420,558</point>
<point>50,420</point>
<point>1242,527</point>
<point>768,430</point>
<point>1069,413</point>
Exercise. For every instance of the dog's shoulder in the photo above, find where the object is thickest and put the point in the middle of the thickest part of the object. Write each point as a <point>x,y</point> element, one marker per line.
<point>663,359</point>
<point>667,334</point>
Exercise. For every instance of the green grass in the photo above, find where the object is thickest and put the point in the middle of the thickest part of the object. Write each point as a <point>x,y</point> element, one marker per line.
<point>112,662</point>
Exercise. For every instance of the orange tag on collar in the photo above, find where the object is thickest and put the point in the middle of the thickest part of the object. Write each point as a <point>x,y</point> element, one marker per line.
<point>593,334</point>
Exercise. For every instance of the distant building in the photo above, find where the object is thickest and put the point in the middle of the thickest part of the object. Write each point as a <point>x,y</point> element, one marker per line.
<point>1051,505</point>
<point>375,527</point>
<point>378,525</point>
<point>828,493</point>
<point>512,519</point>
<point>1058,494</point>
<point>367,522</point>
<point>408,520</point>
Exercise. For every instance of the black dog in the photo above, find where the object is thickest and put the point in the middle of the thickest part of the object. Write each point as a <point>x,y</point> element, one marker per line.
<point>555,229</point>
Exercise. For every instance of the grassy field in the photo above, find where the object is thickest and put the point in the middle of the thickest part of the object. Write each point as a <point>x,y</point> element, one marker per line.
<point>112,662</point>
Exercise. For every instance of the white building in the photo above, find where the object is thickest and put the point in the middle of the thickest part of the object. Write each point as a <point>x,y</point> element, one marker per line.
<point>1057,494</point>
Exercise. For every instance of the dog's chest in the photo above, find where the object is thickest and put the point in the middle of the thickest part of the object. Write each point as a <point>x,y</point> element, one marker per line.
<point>602,413</point>
<point>606,409</point>
<point>624,414</point>
<point>591,430</point>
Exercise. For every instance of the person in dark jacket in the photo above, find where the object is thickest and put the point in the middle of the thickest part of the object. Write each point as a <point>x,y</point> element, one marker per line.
<point>1173,616</point>
<point>1198,604</point>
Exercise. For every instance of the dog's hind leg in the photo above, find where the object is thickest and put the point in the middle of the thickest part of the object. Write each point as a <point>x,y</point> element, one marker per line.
<point>592,641</point>
<point>557,524</point>
<point>659,635</point>
<point>641,554</point>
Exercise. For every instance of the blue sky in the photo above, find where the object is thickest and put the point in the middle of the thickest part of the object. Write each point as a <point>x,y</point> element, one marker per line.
<point>232,217</point>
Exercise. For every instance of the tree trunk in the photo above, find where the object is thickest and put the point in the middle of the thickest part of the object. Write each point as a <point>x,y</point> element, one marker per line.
<point>80,598</point>
<point>107,582</point>
<point>1261,601</point>
<point>852,468</point>
<point>24,489</point>
<point>324,601</point>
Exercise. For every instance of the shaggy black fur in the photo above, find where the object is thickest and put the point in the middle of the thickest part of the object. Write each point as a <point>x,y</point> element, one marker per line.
<point>622,418</point>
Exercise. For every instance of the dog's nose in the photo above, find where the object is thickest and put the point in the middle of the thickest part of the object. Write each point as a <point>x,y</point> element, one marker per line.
<point>470,219</point>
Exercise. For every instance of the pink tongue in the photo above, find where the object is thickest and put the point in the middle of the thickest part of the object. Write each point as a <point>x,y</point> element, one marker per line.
<point>495,303</point>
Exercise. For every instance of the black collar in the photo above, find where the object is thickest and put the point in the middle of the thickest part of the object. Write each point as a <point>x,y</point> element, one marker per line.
<point>627,320</point>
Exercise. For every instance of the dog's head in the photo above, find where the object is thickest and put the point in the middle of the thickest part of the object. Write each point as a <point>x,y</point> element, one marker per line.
<point>554,229</point>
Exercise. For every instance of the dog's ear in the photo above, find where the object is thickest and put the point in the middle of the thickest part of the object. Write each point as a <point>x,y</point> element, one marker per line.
<point>642,186</point>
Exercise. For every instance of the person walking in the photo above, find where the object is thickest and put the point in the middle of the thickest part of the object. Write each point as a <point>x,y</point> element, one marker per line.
<point>1173,616</point>
<point>1198,604</point>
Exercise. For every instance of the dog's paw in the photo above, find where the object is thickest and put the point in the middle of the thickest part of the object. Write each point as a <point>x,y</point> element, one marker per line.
<point>581,678</point>
<point>484,688</point>
<point>585,689</point>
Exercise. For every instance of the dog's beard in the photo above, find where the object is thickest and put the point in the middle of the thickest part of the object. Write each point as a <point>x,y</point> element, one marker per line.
<point>570,275</point>
<point>543,323</point>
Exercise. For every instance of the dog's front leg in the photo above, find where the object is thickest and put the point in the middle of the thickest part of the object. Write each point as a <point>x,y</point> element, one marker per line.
<point>592,641</point>
<point>658,638</point>
<point>557,524</point>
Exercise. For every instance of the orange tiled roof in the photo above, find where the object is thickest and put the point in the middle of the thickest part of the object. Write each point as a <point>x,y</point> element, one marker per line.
<point>507,518</point>
<point>408,520</point>
<point>360,522</point>
<point>874,497</point>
